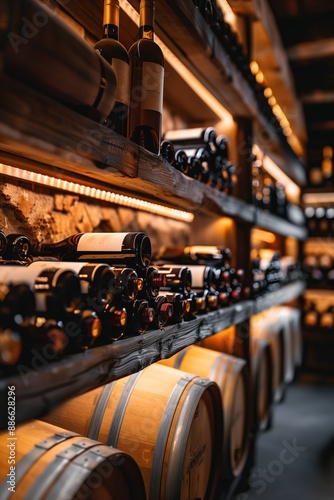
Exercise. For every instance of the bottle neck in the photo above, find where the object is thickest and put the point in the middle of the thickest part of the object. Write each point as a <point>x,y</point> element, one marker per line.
<point>111,19</point>
<point>146,29</point>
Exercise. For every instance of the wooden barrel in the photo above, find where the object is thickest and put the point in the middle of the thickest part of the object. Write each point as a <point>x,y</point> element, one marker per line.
<point>51,463</point>
<point>280,315</point>
<point>292,318</point>
<point>231,375</point>
<point>168,420</point>
<point>261,375</point>
<point>262,328</point>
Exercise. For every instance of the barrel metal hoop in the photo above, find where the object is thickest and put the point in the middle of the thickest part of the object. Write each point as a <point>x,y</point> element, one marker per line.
<point>55,469</point>
<point>180,357</point>
<point>121,409</point>
<point>100,408</point>
<point>163,434</point>
<point>29,460</point>
<point>180,439</point>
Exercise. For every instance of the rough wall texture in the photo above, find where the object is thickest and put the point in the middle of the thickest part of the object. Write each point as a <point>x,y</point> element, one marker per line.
<point>48,215</point>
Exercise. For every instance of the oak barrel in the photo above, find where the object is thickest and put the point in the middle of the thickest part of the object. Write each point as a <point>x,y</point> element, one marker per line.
<point>261,375</point>
<point>262,328</point>
<point>231,375</point>
<point>52,463</point>
<point>168,420</point>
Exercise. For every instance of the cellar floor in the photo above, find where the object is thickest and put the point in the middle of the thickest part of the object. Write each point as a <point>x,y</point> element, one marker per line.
<point>295,458</point>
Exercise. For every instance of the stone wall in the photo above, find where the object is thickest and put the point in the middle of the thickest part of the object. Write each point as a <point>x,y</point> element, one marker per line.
<point>43,214</point>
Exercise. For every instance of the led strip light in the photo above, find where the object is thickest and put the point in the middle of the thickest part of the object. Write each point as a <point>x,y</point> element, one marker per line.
<point>98,194</point>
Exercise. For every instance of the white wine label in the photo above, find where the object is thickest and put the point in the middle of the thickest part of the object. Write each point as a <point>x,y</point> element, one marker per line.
<point>122,70</point>
<point>188,133</point>
<point>197,274</point>
<point>41,265</point>
<point>152,84</point>
<point>101,242</point>
<point>18,276</point>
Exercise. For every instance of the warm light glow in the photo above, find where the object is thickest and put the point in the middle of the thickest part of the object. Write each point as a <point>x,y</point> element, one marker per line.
<point>254,67</point>
<point>268,92</point>
<point>261,235</point>
<point>313,198</point>
<point>229,15</point>
<point>183,71</point>
<point>259,77</point>
<point>327,152</point>
<point>98,194</point>
<point>292,190</point>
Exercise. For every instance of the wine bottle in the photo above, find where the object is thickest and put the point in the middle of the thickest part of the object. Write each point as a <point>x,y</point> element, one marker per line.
<point>178,279</point>
<point>192,138</point>
<point>139,317</point>
<point>57,291</point>
<point>181,306</point>
<point>163,311</point>
<point>127,284</point>
<point>147,80</point>
<point>2,242</point>
<point>17,303</point>
<point>311,220</point>
<point>192,254</point>
<point>97,281</point>
<point>114,322</point>
<point>153,280</point>
<point>17,247</point>
<point>128,249</point>
<point>167,151</point>
<point>116,54</point>
<point>321,222</point>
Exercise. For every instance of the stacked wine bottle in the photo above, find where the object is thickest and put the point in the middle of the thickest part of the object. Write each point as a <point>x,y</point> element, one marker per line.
<point>95,288</point>
<point>319,269</point>
<point>316,319</point>
<point>202,154</point>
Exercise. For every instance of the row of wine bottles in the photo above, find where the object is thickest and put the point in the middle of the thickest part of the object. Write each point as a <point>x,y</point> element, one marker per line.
<point>67,305</point>
<point>123,89</point>
<point>271,276</point>
<point>228,38</point>
<point>319,269</point>
<point>320,172</point>
<point>320,221</point>
<point>201,154</point>
<point>269,194</point>
<point>316,320</point>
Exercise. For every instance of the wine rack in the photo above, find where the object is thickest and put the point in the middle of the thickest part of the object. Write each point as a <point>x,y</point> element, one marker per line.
<point>42,137</point>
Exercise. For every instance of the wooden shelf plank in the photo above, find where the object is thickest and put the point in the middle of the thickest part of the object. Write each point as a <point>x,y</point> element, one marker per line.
<point>282,296</point>
<point>271,222</point>
<point>62,143</point>
<point>41,389</point>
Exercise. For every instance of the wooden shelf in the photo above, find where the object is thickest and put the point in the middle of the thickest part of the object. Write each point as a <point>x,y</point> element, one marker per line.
<point>38,391</point>
<point>282,296</point>
<point>45,137</point>
<point>271,222</point>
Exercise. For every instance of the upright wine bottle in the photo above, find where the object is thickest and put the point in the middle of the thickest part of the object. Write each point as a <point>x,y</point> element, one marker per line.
<point>128,249</point>
<point>116,54</point>
<point>147,79</point>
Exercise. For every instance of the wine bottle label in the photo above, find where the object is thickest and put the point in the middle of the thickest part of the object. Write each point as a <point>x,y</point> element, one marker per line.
<point>189,133</point>
<point>197,273</point>
<point>101,242</point>
<point>122,71</point>
<point>152,83</point>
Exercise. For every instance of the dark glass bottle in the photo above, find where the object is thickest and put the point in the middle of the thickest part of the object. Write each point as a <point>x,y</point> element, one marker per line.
<point>163,311</point>
<point>139,317</point>
<point>147,81</point>
<point>115,53</point>
<point>167,151</point>
<point>178,279</point>
<point>17,247</point>
<point>311,221</point>
<point>129,249</point>
<point>2,242</point>
<point>57,292</point>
